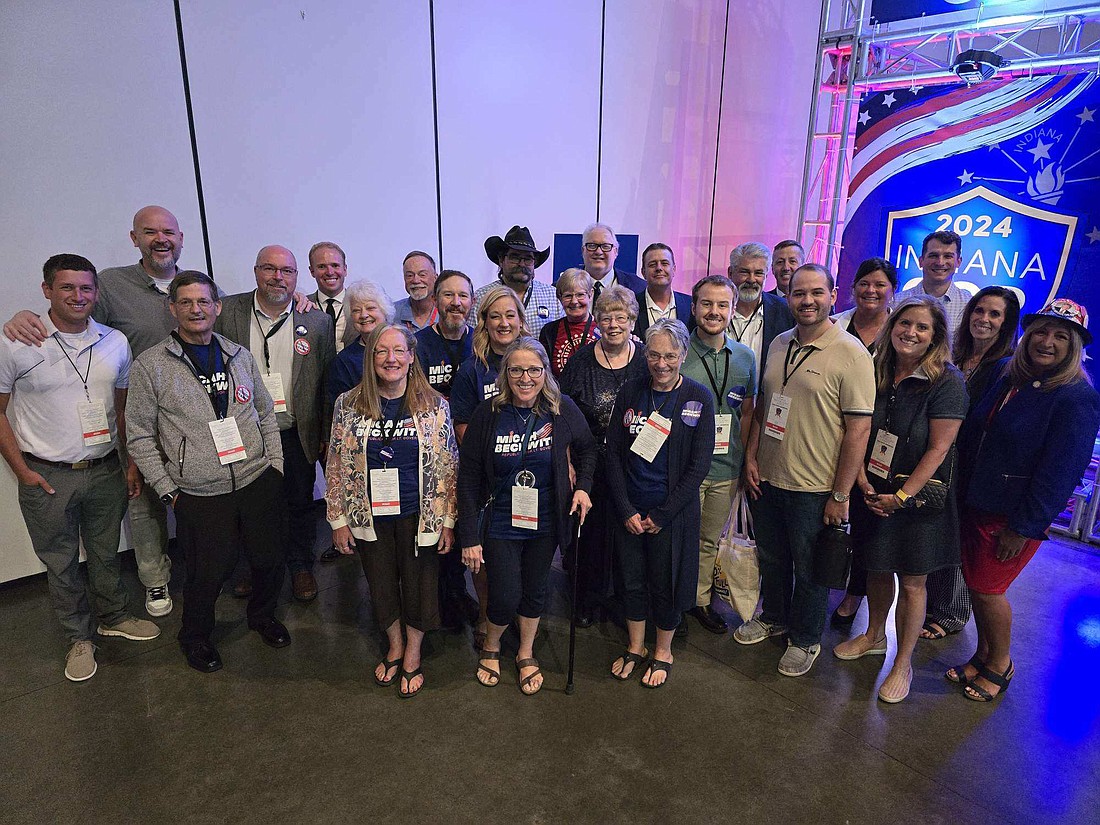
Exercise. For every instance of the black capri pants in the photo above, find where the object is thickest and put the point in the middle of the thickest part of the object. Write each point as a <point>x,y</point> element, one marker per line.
<point>518,573</point>
<point>647,586</point>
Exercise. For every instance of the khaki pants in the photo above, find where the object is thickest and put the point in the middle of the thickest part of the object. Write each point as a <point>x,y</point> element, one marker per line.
<point>715,500</point>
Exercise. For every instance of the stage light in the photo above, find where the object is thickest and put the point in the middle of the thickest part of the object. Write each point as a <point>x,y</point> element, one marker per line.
<point>975,65</point>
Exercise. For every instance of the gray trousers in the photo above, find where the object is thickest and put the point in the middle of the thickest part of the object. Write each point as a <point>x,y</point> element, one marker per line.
<point>149,531</point>
<point>89,505</point>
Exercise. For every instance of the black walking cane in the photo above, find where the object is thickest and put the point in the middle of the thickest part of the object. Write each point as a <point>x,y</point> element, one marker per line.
<point>573,611</point>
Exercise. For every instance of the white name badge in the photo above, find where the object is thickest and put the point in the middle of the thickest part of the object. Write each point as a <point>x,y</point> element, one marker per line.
<point>227,441</point>
<point>778,412</point>
<point>385,492</point>
<point>274,383</point>
<point>93,423</point>
<point>525,507</point>
<point>652,437</point>
<point>882,454</point>
<point>723,426</point>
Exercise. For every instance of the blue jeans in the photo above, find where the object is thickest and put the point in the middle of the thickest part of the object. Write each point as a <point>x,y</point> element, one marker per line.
<point>787,524</point>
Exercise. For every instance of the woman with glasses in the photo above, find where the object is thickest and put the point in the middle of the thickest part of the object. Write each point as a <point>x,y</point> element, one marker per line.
<point>516,499</point>
<point>390,495</point>
<point>368,306</point>
<point>564,337</point>
<point>593,378</point>
<point>659,445</point>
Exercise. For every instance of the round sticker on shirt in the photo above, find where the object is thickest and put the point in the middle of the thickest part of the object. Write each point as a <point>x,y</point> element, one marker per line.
<point>628,418</point>
<point>735,396</point>
<point>691,412</point>
<point>544,312</point>
<point>301,346</point>
<point>244,395</point>
<point>300,329</point>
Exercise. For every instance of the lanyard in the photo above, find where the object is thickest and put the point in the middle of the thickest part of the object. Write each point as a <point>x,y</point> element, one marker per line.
<point>584,335</point>
<point>748,323</point>
<point>671,397</point>
<point>719,394</point>
<point>790,369</point>
<point>219,399</point>
<point>385,451</point>
<point>615,372</point>
<point>526,435</point>
<point>83,378</point>
<point>275,327</point>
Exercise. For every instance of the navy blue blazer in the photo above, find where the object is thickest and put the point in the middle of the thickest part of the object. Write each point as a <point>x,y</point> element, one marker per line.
<point>683,312</point>
<point>629,280</point>
<point>1025,463</point>
<point>777,319</point>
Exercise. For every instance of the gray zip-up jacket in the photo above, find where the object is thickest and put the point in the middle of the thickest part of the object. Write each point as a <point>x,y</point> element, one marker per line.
<point>168,413</point>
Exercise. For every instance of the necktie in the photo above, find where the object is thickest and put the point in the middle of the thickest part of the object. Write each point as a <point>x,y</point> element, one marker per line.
<point>331,314</point>
<point>596,292</point>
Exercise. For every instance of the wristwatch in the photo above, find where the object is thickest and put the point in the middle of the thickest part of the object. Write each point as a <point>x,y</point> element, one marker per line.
<point>168,498</point>
<point>839,498</point>
<point>906,500</point>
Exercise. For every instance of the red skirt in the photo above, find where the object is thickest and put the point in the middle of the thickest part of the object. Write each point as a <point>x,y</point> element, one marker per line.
<point>982,570</point>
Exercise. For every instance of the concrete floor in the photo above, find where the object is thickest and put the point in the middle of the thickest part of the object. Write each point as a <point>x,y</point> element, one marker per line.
<point>303,734</point>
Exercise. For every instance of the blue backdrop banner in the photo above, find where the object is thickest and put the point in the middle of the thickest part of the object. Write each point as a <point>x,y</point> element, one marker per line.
<point>1012,166</point>
<point>887,11</point>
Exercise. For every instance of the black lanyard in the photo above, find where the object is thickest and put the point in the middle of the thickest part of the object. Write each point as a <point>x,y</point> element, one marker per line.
<point>387,435</point>
<point>788,374</point>
<point>584,335</point>
<point>655,410</point>
<point>748,323</point>
<point>719,394</point>
<point>616,372</point>
<point>83,378</point>
<point>275,327</point>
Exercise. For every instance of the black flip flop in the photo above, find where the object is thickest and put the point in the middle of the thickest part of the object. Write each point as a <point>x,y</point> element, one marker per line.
<point>387,664</point>
<point>629,658</point>
<point>408,676</point>
<point>655,665</point>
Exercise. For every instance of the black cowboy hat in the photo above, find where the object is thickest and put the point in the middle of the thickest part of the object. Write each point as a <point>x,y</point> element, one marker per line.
<point>518,238</point>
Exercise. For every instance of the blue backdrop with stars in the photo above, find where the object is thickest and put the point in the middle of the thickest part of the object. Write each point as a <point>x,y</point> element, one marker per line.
<point>1013,166</point>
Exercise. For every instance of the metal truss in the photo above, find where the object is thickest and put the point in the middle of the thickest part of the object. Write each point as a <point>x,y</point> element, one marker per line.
<point>910,54</point>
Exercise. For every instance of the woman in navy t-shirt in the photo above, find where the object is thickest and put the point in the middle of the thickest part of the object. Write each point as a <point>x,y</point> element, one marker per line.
<point>516,499</point>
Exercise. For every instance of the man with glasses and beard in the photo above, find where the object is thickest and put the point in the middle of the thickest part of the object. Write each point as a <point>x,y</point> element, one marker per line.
<point>757,316</point>
<point>518,259</point>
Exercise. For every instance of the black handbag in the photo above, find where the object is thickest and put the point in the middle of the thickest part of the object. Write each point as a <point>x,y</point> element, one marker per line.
<point>833,557</point>
<point>932,497</point>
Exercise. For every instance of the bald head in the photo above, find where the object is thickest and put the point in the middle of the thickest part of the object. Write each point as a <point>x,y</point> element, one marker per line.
<point>157,234</point>
<point>276,275</point>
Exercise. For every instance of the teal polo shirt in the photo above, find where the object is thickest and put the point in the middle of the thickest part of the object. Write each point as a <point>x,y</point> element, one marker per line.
<point>725,385</point>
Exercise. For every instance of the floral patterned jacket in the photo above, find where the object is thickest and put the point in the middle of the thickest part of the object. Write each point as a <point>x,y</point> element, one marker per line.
<point>348,504</point>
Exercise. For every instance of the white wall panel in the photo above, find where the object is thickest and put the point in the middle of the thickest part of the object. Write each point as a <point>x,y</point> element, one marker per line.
<point>314,122</point>
<point>661,95</point>
<point>519,111</point>
<point>92,127</point>
<point>765,114</point>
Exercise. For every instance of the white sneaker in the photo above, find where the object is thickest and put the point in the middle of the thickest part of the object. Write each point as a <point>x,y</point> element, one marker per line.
<point>157,601</point>
<point>80,662</point>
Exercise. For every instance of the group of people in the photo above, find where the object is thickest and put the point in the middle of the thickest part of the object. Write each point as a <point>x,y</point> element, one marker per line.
<point>478,432</point>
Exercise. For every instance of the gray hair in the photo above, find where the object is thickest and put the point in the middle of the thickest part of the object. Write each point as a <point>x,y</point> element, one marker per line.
<point>616,297</point>
<point>572,279</point>
<point>364,291</point>
<point>752,249</point>
<point>673,329</point>
<point>592,227</point>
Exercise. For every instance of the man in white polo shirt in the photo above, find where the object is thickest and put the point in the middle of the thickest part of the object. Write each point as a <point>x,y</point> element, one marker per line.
<point>62,426</point>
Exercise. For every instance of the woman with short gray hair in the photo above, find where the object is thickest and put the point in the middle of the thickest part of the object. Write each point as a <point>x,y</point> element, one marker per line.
<point>564,337</point>
<point>368,306</point>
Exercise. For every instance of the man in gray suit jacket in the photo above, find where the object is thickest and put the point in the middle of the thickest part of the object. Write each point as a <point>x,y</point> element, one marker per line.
<point>758,316</point>
<point>293,351</point>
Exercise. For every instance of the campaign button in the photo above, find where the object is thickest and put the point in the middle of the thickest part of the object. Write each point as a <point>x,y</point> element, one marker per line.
<point>301,346</point>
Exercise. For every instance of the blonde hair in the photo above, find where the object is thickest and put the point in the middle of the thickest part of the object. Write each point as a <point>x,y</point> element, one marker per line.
<point>616,297</point>
<point>1022,371</point>
<point>481,331</point>
<point>549,398</point>
<point>419,395</point>
<point>935,358</point>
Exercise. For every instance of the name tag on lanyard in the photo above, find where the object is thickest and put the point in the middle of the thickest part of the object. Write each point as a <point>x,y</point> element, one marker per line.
<point>93,422</point>
<point>385,492</point>
<point>882,454</point>
<point>652,437</point>
<point>227,441</point>
<point>779,411</point>
<point>274,383</point>
<point>723,427</point>
<point>525,507</point>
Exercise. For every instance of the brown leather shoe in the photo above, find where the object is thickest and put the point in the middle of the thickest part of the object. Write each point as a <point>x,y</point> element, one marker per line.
<point>304,586</point>
<point>243,589</point>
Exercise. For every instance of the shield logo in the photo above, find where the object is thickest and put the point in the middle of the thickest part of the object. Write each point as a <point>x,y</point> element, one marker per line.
<point>1005,243</point>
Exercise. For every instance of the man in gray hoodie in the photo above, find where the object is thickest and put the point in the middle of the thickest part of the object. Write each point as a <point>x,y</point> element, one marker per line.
<point>204,435</point>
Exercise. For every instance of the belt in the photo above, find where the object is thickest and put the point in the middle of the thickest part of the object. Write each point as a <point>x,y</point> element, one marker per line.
<point>78,465</point>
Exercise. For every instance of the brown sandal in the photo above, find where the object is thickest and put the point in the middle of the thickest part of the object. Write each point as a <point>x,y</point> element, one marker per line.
<point>489,656</point>
<point>526,680</point>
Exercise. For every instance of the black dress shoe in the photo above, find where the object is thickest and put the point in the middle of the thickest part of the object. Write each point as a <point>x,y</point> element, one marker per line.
<point>841,622</point>
<point>202,656</point>
<point>330,555</point>
<point>273,632</point>
<point>709,619</point>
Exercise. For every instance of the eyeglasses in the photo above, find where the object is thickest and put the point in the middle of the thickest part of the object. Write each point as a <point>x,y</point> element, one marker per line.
<point>666,357</point>
<point>396,352</point>
<point>188,303</point>
<point>603,247</point>
<point>268,269</point>
<point>518,372</point>
<point>512,257</point>
<point>575,296</point>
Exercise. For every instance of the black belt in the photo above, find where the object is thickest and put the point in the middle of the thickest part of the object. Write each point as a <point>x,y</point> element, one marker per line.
<point>79,465</point>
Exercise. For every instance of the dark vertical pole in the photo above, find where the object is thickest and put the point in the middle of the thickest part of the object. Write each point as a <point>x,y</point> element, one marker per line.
<point>718,139</point>
<point>435,125</point>
<point>599,132</point>
<point>194,141</point>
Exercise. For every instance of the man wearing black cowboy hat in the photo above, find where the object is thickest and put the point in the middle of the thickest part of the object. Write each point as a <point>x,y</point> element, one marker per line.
<point>518,258</point>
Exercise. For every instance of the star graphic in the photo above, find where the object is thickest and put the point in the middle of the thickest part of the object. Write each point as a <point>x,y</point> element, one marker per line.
<point>1086,115</point>
<point>889,100</point>
<point>966,178</point>
<point>1093,236</point>
<point>1041,150</point>
<point>915,89</point>
<point>864,117</point>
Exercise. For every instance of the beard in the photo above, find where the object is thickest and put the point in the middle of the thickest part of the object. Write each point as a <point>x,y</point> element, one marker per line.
<point>748,293</point>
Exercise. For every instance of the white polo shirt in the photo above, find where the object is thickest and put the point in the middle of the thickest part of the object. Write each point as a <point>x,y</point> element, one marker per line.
<point>280,351</point>
<point>656,313</point>
<point>46,383</point>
